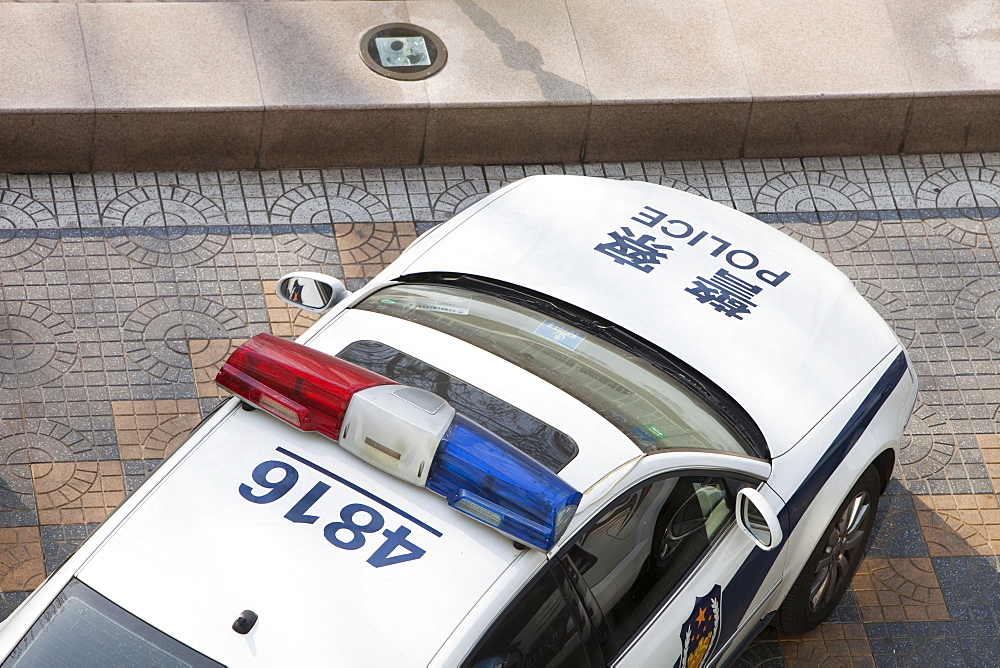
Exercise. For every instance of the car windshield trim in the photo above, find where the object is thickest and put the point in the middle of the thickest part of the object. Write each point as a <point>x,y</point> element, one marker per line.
<point>726,412</point>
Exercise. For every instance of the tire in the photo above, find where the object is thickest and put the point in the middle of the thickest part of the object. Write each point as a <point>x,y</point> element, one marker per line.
<point>829,570</point>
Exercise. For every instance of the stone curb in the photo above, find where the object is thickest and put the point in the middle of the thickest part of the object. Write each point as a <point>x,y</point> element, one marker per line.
<point>186,86</point>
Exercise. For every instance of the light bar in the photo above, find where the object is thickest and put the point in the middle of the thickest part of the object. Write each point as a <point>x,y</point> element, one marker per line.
<point>413,434</point>
<point>485,477</point>
<point>306,388</point>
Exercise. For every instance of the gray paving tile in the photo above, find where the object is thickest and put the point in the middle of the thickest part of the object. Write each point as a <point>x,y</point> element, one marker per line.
<point>763,652</point>
<point>17,501</point>
<point>897,533</point>
<point>136,471</point>
<point>10,600</point>
<point>923,643</point>
<point>847,611</point>
<point>59,542</point>
<point>206,406</point>
<point>34,441</point>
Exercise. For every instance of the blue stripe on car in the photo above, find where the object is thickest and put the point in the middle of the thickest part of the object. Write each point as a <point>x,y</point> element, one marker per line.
<point>739,594</point>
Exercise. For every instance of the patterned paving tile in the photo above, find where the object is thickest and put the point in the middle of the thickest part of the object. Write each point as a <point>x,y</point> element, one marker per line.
<point>209,405</point>
<point>84,427</point>
<point>22,566</point>
<point>59,542</point>
<point>32,222</point>
<point>17,498</point>
<point>763,652</point>
<point>989,446</point>
<point>136,471</point>
<point>286,320</point>
<point>847,610</point>
<point>898,590</point>
<point>896,533</point>
<point>207,357</point>
<point>153,429</point>
<point>157,333</point>
<point>33,441</point>
<point>9,600</point>
<point>899,645</point>
<point>77,492</point>
<point>830,644</point>
<point>970,586</point>
<point>959,525</point>
<point>44,344</point>
<point>367,250</point>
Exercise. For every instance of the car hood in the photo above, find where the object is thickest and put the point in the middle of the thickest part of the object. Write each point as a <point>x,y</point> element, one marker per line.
<point>771,322</point>
<point>198,550</point>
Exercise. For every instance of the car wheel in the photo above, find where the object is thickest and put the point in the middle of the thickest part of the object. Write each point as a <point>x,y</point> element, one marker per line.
<point>826,575</point>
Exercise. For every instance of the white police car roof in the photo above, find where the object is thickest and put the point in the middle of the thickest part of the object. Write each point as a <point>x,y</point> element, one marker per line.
<point>806,341</point>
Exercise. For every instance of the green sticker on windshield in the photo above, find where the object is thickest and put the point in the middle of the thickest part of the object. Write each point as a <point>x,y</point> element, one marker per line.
<point>651,428</point>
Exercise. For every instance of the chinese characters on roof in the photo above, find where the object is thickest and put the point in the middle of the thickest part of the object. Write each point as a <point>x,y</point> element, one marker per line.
<point>728,293</point>
<point>640,252</point>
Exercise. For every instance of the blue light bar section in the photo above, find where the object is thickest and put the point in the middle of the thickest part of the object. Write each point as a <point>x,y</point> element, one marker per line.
<point>488,479</point>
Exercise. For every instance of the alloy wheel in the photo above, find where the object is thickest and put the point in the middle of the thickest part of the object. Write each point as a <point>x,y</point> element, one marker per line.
<point>844,544</point>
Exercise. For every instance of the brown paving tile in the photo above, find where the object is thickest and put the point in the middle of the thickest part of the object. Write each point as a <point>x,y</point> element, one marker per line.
<point>989,445</point>
<point>153,429</point>
<point>22,563</point>
<point>207,357</point>
<point>286,320</point>
<point>77,492</point>
<point>828,645</point>
<point>899,590</point>
<point>367,248</point>
<point>959,525</point>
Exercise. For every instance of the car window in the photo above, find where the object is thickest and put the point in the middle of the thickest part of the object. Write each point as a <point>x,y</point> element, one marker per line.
<point>630,558</point>
<point>547,445</point>
<point>544,626</point>
<point>653,409</point>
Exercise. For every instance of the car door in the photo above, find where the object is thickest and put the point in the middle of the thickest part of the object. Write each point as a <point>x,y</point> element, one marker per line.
<point>665,572</point>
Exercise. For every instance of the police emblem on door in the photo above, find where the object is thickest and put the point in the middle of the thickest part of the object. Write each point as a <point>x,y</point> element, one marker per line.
<point>701,630</point>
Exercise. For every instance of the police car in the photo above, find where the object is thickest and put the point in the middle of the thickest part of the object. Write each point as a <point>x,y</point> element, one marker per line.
<point>585,422</point>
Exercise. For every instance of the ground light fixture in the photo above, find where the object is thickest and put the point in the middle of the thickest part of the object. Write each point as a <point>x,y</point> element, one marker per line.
<point>403,51</point>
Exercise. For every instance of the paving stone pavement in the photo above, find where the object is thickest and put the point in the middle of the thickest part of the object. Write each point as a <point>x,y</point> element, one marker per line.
<point>122,293</point>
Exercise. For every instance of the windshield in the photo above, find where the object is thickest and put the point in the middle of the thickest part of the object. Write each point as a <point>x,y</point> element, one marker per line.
<point>548,446</point>
<point>650,407</point>
<point>81,627</point>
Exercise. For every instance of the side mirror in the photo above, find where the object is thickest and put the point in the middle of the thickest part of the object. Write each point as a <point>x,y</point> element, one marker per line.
<point>757,519</point>
<point>310,291</point>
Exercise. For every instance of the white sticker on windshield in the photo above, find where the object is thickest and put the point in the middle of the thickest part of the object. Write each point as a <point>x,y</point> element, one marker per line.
<point>553,332</point>
<point>447,304</point>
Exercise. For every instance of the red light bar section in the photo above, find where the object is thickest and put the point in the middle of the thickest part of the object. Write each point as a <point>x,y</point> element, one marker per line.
<point>306,388</point>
